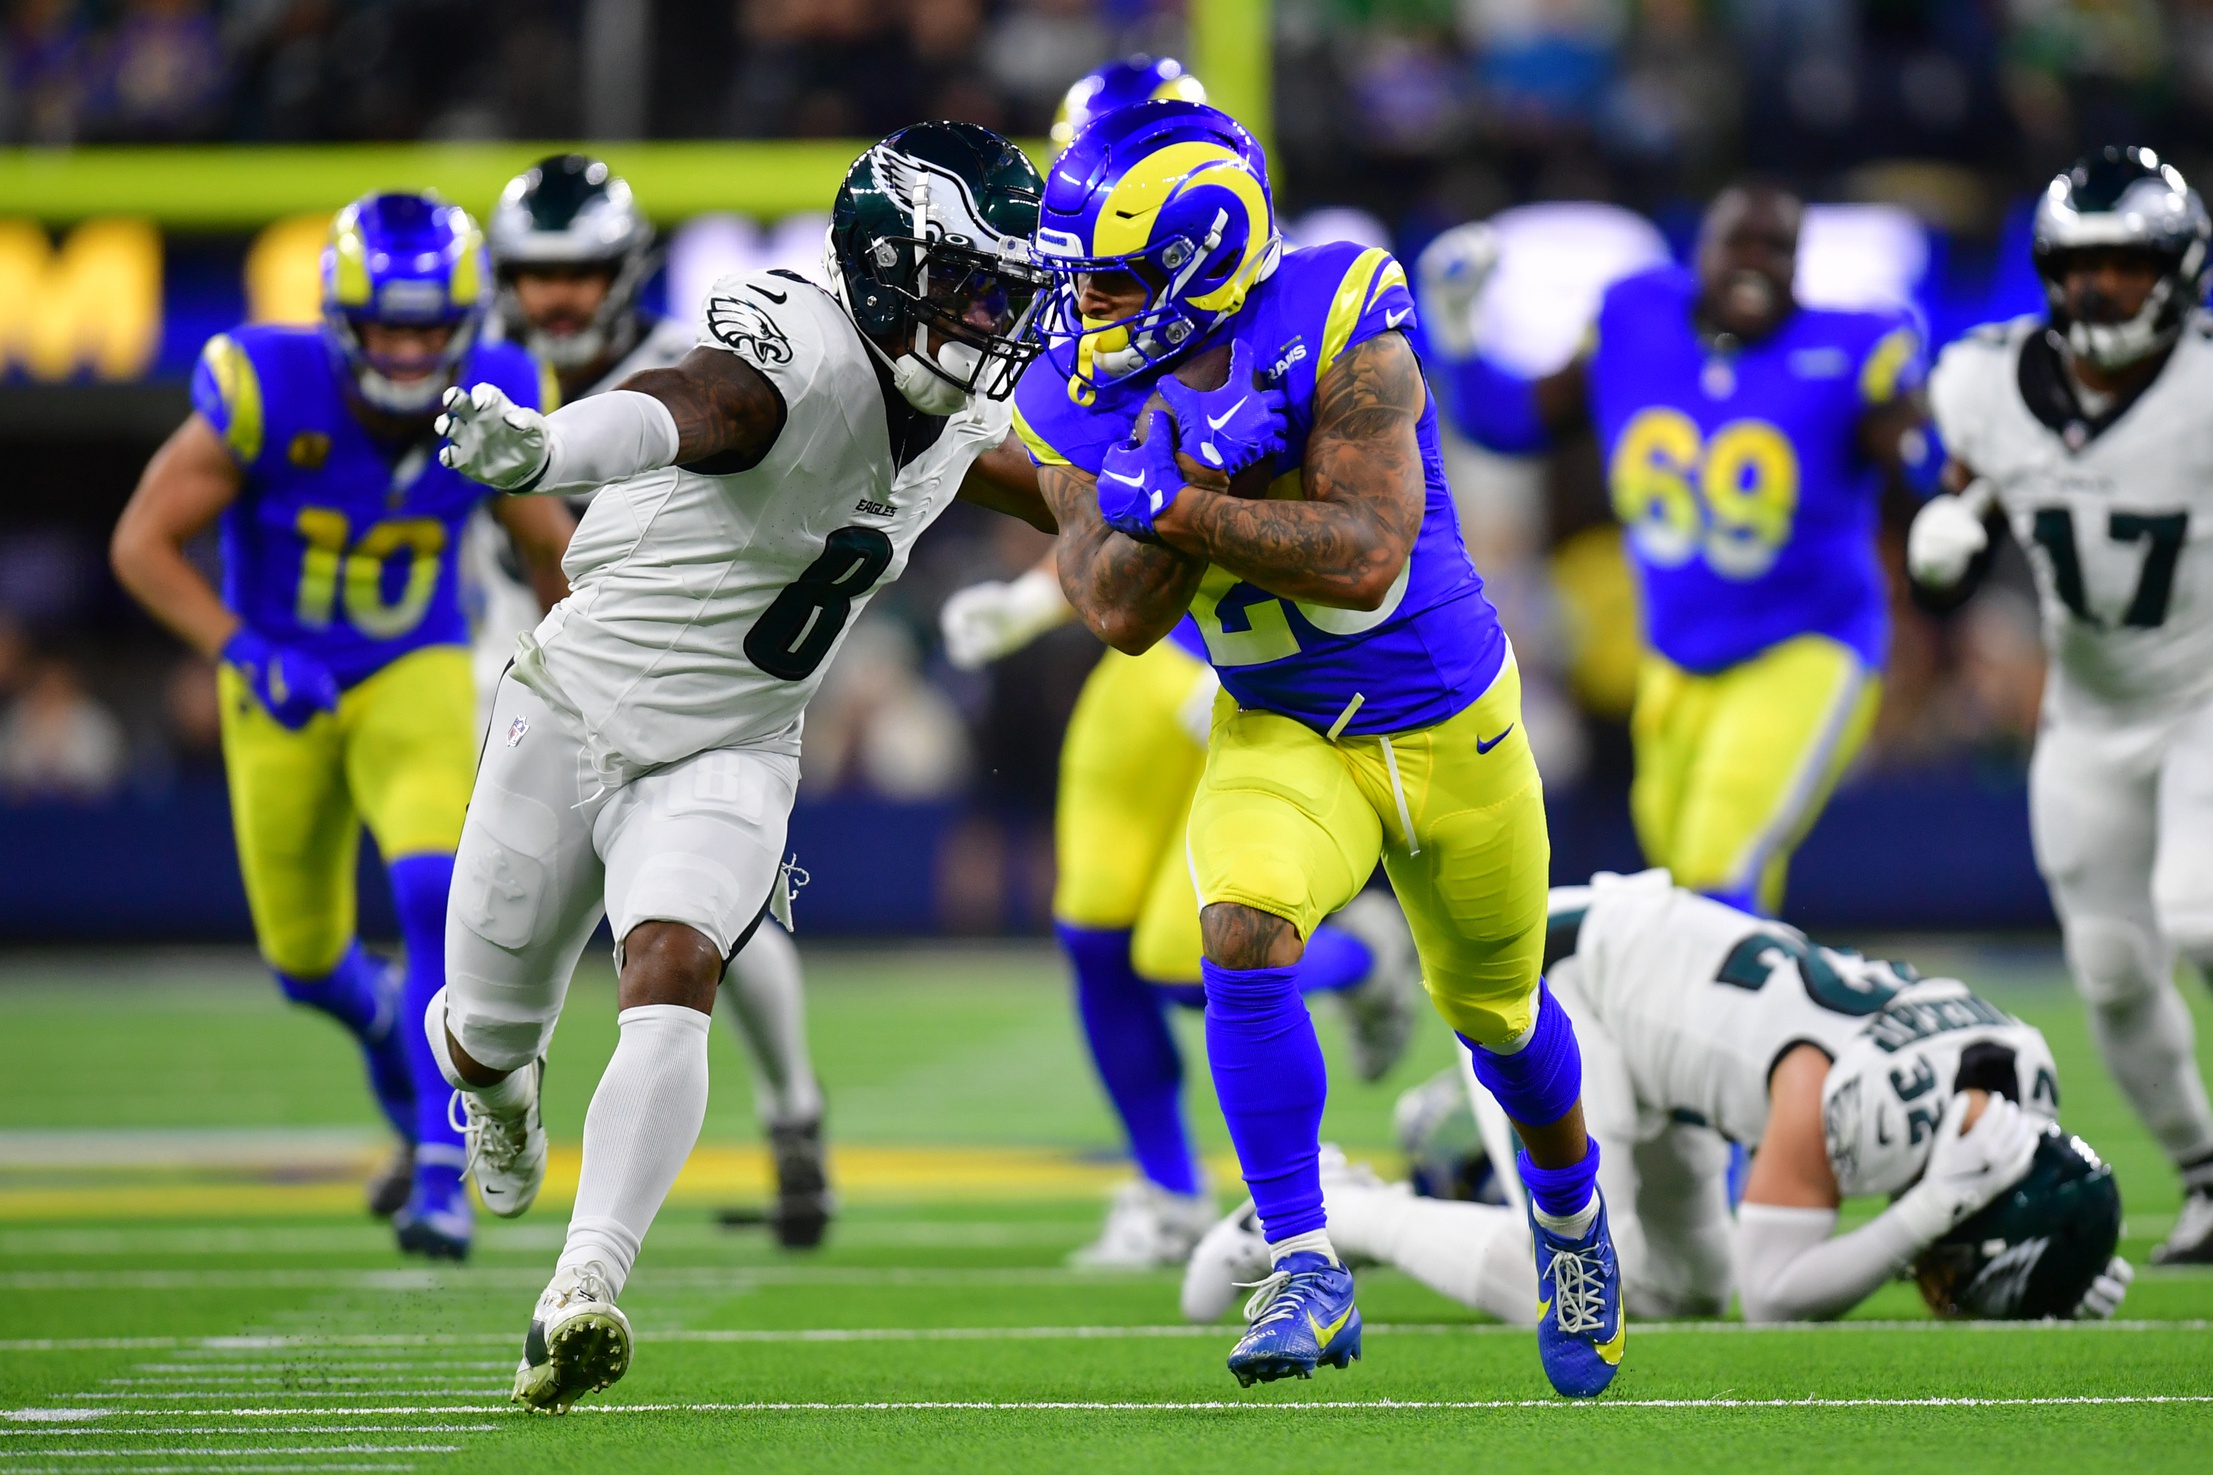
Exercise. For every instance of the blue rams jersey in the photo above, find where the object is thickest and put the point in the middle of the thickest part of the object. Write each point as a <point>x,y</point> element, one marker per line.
<point>1750,510</point>
<point>338,545</point>
<point>1435,644</point>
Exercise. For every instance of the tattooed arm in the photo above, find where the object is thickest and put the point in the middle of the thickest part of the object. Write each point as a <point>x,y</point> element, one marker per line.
<point>1345,545</point>
<point>1129,593</point>
<point>727,413</point>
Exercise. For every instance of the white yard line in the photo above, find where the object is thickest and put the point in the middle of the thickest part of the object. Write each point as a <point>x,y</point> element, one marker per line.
<point>110,1431</point>
<point>209,1449</point>
<point>1388,1405</point>
<point>202,1393</point>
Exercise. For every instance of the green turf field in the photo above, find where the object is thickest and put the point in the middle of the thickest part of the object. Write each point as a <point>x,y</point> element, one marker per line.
<point>187,1283</point>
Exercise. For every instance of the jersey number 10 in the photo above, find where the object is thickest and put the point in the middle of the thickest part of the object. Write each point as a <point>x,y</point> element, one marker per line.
<point>330,569</point>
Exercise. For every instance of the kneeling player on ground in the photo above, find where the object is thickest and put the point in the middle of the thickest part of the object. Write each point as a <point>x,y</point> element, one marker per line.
<point>644,749</point>
<point>1701,1025</point>
<point>1370,705</point>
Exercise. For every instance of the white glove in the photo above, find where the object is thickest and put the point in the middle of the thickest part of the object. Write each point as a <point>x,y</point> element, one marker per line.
<point>2105,1293</point>
<point>986,621</point>
<point>1968,1169</point>
<point>1946,536</point>
<point>492,439</point>
<point>1452,273</point>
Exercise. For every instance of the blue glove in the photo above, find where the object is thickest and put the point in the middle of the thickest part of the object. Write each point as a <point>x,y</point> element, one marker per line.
<point>1137,482</point>
<point>292,686</point>
<point>1235,426</point>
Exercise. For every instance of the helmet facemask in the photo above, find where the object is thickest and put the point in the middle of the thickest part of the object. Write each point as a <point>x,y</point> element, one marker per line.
<point>377,378</point>
<point>2114,342</point>
<point>612,330</point>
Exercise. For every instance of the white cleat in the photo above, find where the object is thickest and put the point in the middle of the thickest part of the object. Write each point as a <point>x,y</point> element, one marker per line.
<point>507,1158</point>
<point>1380,1009</point>
<point>579,1341</point>
<point>1147,1228</point>
<point>2192,1240</point>
<point>1233,1254</point>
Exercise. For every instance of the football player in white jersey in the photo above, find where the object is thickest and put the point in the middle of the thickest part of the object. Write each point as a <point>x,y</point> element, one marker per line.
<point>2092,434</point>
<point>1702,1025</point>
<point>643,750</point>
<point>570,250</point>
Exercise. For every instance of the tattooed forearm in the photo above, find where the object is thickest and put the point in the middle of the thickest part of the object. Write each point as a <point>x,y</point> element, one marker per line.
<point>1347,542</point>
<point>1129,593</point>
<point>727,413</point>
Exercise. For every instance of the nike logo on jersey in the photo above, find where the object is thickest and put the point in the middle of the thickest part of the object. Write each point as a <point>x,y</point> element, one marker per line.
<point>1393,319</point>
<point>1216,422</point>
<point>1482,747</point>
<point>776,297</point>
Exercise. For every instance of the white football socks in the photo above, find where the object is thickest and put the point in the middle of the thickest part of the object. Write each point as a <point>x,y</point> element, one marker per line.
<point>1569,1226</point>
<point>1478,1254</point>
<point>762,985</point>
<point>2150,1047</point>
<point>1314,1241</point>
<point>644,1119</point>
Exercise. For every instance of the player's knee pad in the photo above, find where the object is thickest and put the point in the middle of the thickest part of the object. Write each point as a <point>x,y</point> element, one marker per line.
<point>501,1041</point>
<point>2115,963</point>
<point>434,1029</point>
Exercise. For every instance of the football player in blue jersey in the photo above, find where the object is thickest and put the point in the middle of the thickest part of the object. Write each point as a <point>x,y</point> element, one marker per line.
<point>346,691</point>
<point>1747,438</point>
<point>1370,706</point>
<point>1123,907</point>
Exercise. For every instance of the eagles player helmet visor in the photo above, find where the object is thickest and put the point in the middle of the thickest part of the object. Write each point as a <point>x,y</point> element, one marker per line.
<point>1174,194</point>
<point>2033,1251</point>
<point>408,261</point>
<point>2123,199</point>
<point>929,248</point>
<point>1118,84</point>
<point>571,212</point>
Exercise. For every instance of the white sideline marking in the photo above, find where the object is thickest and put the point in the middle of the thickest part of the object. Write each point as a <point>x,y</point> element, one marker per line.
<point>206,1469</point>
<point>323,1395</point>
<point>109,1431</point>
<point>675,1280</point>
<point>1389,1404</point>
<point>1042,1333</point>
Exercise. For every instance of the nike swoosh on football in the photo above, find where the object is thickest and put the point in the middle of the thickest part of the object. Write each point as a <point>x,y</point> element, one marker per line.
<point>1213,423</point>
<point>1482,747</point>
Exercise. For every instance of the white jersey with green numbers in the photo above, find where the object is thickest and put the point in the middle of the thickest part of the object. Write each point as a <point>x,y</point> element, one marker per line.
<point>2116,513</point>
<point>704,607</point>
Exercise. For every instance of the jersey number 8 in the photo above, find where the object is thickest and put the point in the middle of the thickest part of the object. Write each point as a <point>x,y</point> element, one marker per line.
<point>1733,497</point>
<point>794,633</point>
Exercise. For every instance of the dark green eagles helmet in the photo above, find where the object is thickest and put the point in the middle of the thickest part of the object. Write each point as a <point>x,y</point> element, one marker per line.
<point>930,238</point>
<point>569,211</point>
<point>2033,1251</point>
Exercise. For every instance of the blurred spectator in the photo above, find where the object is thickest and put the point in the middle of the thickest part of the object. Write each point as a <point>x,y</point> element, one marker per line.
<point>2083,69</point>
<point>1038,48</point>
<point>56,741</point>
<point>42,72</point>
<point>1672,109</point>
<point>192,707</point>
<point>820,69</point>
<point>878,727</point>
<point>1542,64</point>
<point>158,75</point>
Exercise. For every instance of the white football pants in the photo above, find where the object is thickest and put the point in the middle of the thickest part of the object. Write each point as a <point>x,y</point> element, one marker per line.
<point>2122,820</point>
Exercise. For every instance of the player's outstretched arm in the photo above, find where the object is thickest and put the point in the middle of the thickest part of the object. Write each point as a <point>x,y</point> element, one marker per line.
<point>1129,593</point>
<point>541,528</point>
<point>1005,480</point>
<point>186,486</point>
<point>727,414</point>
<point>1346,544</point>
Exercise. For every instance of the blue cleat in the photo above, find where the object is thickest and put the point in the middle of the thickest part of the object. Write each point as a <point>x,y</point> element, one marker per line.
<point>437,1221</point>
<point>1302,1314</point>
<point>1580,1328</point>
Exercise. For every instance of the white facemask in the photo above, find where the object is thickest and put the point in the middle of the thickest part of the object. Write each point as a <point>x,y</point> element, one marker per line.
<point>928,392</point>
<point>402,397</point>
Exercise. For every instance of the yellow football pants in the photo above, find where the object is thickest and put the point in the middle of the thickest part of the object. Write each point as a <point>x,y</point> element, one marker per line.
<point>1733,768</point>
<point>1128,766</point>
<point>1291,824</point>
<point>400,752</point>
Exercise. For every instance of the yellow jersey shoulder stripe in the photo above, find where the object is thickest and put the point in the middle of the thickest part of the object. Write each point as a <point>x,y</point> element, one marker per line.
<point>1354,291</point>
<point>1885,363</point>
<point>1041,450</point>
<point>240,387</point>
<point>549,388</point>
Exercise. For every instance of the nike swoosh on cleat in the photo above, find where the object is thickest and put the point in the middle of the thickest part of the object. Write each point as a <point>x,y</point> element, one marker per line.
<point>1213,423</point>
<point>1609,1351</point>
<point>1482,747</point>
<point>1322,1334</point>
<point>1542,1308</point>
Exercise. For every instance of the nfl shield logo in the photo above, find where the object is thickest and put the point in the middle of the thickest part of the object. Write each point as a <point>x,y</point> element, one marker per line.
<point>515,731</point>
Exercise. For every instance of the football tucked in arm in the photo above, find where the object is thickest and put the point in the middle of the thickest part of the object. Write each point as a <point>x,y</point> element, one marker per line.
<point>1204,371</point>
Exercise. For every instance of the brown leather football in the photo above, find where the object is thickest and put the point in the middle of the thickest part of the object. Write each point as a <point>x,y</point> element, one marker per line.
<point>1208,370</point>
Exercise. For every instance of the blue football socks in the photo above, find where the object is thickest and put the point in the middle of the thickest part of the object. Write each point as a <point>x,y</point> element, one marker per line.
<point>1539,1082</point>
<point>1125,1024</point>
<point>1334,960</point>
<point>1270,1079</point>
<point>359,994</point>
<point>419,887</point>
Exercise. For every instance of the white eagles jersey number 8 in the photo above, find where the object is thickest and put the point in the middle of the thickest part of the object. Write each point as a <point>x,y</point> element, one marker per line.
<point>2117,524</point>
<point>704,608</point>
